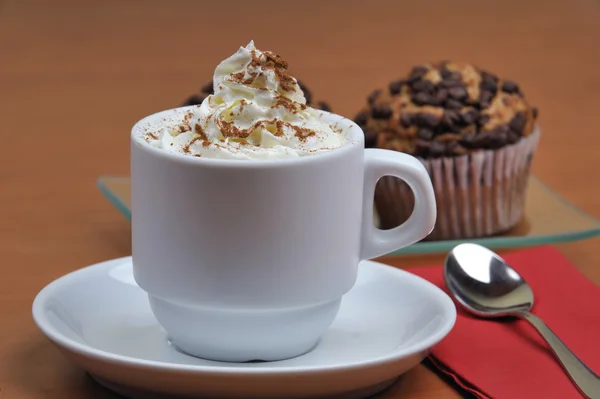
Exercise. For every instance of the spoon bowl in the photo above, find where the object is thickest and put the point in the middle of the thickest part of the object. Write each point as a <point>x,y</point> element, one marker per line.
<point>484,283</point>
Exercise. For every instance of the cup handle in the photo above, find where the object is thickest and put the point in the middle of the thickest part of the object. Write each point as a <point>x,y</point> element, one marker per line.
<point>380,163</point>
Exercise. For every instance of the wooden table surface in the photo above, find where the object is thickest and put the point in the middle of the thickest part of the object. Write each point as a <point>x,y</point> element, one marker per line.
<point>76,75</point>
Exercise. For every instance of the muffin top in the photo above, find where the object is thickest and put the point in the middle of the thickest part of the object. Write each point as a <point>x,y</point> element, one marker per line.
<point>207,89</point>
<point>446,109</point>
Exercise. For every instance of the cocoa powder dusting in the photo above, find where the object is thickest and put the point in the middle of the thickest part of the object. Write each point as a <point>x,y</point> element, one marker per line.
<point>279,124</point>
<point>239,77</point>
<point>276,59</point>
<point>302,133</point>
<point>154,136</point>
<point>198,130</point>
<point>286,81</point>
<point>228,129</point>
<point>336,129</point>
<point>286,103</point>
<point>243,103</point>
<point>256,62</point>
<point>275,63</point>
<point>183,127</point>
<point>186,148</point>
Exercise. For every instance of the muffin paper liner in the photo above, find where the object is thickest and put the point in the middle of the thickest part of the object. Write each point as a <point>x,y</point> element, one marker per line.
<point>477,195</point>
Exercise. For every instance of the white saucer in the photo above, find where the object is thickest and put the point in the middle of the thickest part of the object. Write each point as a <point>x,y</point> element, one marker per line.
<point>101,320</point>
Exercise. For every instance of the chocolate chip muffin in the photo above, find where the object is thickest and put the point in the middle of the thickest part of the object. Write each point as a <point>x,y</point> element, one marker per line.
<point>474,132</point>
<point>207,89</point>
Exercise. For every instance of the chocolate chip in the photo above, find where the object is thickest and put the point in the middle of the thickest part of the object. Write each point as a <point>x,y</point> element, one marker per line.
<point>426,120</point>
<point>421,98</point>
<point>437,149</point>
<point>467,140</point>
<point>452,114</point>
<point>485,99</point>
<point>481,140</point>
<point>473,102</point>
<point>450,118</point>
<point>302,85</point>
<point>450,83</point>
<point>406,119</point>
<point>483,119</point>
<point>307,93</point>
<point>449,128</point>
<point>450,79</point>
<point>361,119</point>
<point>446,73</point>
<point>322,105</point>
<point>373,96</point>
<point>489,85</point>
<point>510,87</point>
<point>196,99</point>
<point>396,87</point>
<point>208,88</point>
<point>500,137</point>
<point>451,148</point>
<point>370,138</point>
<point>455,77</point>
<point>418,71</point>
<point>441,95</point>
<point>489,76</point>
<point>534,113</point>
<point>424,98</point>
<point>518,122</point>
<point>425,134</point>
<point>453,104</point>
<point>381,111</point>
<point>308,96</point>
<point>422,147</point>
<point>470,116</point>
<point>435,101</point>
<point>492,139</point>
<point>512,137</point>
<point>423,85</point>
<point>458,93</point>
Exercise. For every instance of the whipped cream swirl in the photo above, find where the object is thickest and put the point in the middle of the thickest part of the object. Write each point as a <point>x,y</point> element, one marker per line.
<point>257,111</point>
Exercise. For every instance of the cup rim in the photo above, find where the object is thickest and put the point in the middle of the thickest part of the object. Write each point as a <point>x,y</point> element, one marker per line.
<point>355,139</point>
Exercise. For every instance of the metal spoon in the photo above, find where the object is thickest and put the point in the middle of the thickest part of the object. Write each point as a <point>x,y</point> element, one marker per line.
<point>485,285</point>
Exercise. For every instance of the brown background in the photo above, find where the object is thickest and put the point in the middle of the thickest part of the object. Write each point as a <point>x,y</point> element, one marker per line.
<point>76,75</point>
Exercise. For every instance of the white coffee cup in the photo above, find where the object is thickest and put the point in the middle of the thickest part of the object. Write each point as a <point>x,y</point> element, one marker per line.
<point>249,259</point>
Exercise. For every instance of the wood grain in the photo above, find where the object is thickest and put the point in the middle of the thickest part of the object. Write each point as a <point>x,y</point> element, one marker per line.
<point>76,75</point>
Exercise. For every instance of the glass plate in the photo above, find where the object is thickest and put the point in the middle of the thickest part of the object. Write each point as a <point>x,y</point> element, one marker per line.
<point>548,219</point>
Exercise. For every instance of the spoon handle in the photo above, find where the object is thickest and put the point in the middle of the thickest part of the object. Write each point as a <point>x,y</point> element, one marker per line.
<point>583,378</point>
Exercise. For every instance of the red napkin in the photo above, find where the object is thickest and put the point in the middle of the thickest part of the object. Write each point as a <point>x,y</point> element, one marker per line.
<point>499,359</point>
